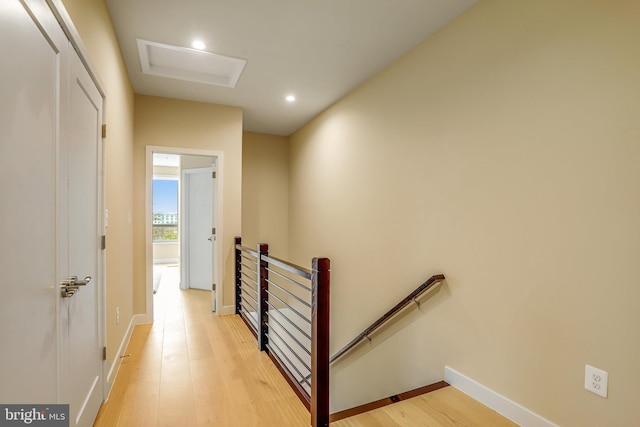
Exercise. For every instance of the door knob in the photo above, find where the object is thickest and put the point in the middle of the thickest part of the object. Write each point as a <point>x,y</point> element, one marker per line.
<point>70,286</point>
<point>83,282</point>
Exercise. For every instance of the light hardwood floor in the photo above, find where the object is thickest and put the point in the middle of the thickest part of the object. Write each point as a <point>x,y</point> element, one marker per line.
<point>447,407</point>
<point>192,368</point>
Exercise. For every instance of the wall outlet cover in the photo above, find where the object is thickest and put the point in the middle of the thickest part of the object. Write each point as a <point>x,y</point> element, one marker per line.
<point>596,380</point>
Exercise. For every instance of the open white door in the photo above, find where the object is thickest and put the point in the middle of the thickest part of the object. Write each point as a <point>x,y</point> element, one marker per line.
<point>198,232</point>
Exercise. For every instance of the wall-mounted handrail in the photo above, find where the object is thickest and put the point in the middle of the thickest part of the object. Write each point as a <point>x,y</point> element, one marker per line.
<point>433,280</point>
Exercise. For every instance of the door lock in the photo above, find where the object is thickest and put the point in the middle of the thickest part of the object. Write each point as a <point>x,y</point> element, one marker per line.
<point>70,286</point>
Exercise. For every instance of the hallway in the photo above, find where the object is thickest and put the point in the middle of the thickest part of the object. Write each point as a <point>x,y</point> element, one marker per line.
<point>192,368</point>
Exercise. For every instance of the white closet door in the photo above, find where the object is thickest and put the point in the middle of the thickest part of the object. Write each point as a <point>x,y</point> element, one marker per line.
<point>50,181</point>
<point>33,48</point>
<point>81,337</point>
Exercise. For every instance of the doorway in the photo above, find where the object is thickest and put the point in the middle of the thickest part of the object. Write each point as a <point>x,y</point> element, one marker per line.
<point>165,192</point>
<point>182,216</point>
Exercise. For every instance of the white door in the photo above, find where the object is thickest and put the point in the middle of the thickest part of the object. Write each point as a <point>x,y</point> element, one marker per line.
<point>50,116</point>
<point>199,217</point>
<point>33,48</point>
<point>81,334</point>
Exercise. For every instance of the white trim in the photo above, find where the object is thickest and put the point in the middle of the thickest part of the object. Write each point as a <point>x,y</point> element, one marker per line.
<point>218,273</point>
<point>166,260</point>
<point>136,319</point>
<point>502,405</point>
<point>102,252</point>
<point>184,228</point>
<point>61,14</point>
<point>148,239</point>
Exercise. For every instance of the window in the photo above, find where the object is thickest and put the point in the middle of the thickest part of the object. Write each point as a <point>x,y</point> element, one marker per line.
<point>165,210</point>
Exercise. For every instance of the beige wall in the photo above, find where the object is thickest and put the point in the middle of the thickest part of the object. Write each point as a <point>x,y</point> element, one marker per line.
<point>93,23</point>
<point>265,186</point>
<point>502,152</point>
<point>166,252</point>
<point>192,125</point>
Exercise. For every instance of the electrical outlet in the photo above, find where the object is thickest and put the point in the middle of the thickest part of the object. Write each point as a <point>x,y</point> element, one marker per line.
<point>117,315</point>
<point>596,380</point>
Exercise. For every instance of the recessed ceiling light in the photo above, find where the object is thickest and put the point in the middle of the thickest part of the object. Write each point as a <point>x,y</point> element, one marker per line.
<point>290,98</point>
<point>197,44</point>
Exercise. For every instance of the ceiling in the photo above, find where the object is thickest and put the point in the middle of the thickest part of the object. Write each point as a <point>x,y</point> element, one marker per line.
<point>317,51</point>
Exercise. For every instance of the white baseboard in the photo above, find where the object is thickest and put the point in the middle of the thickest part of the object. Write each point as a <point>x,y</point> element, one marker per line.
<point>228,309</point>
<point>166,260</point>
<point>502,405</point>
<point>113,370</point>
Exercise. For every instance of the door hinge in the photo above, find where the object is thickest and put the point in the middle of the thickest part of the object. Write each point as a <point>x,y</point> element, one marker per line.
<point>103,242</point>
<point>213,287</point>
<point>213,231</point>
<point>104,130</point>
<point>104,353</point>
<point>213,174</point>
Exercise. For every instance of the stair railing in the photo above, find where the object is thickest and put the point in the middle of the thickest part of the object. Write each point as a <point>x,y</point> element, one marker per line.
<point>287,308</point>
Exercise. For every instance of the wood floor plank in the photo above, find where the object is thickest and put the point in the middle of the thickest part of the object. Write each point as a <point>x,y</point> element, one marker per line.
<point>446,407</point>
<point>194,368</point>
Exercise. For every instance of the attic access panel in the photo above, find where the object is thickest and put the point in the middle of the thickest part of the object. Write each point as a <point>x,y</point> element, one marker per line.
<point>189,64</point>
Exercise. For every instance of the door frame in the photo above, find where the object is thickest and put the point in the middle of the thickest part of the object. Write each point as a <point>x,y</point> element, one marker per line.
<point>218,209</point>
<point>102,252</point>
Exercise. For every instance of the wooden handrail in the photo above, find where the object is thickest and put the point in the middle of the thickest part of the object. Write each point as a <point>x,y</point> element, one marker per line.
<point>433,280</point>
